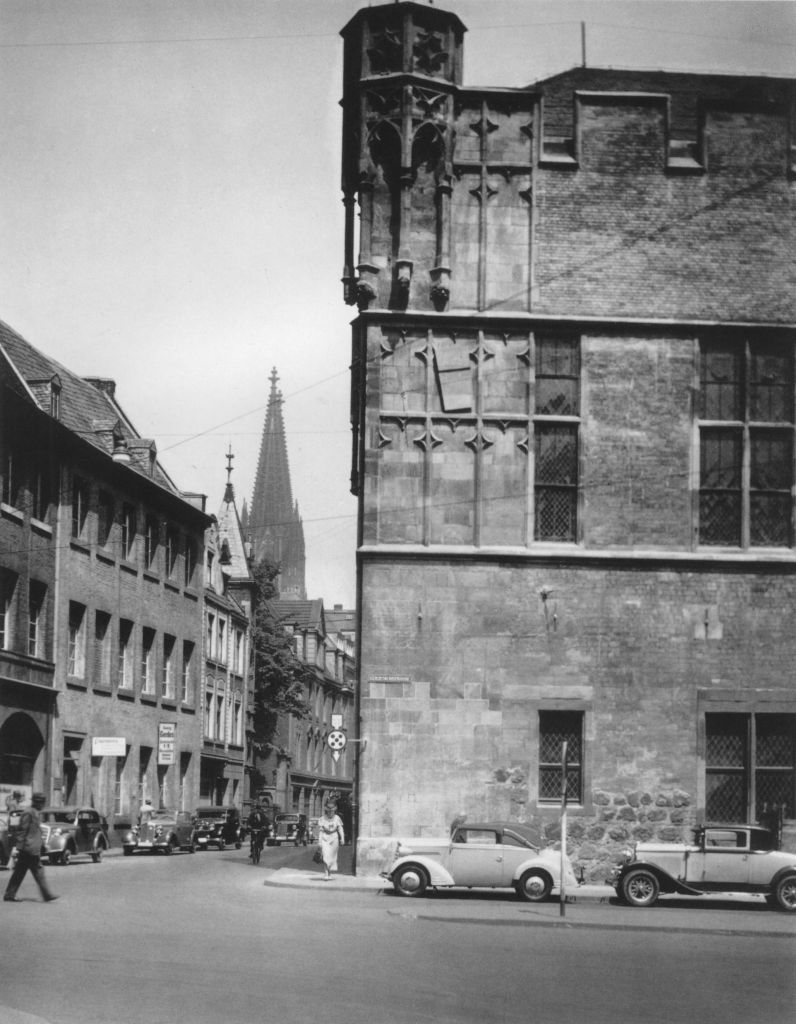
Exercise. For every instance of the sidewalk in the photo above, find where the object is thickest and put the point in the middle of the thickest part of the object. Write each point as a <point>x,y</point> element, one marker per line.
<point>292,878</point>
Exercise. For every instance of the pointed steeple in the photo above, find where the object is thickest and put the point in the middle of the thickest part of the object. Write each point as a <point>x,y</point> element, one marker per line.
<point>274,523</point>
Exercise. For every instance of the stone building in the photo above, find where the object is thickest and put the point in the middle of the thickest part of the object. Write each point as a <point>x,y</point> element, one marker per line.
<point>228,605</point>
<point>302,771</point>
<point>573,416</point>
<point>102,577</point>
<point>272,522</point>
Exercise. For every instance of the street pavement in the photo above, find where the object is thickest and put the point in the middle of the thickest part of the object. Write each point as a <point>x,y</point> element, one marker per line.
<point>210,937</point>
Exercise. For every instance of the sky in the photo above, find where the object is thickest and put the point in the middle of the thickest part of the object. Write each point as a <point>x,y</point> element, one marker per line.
<point>171,216</point>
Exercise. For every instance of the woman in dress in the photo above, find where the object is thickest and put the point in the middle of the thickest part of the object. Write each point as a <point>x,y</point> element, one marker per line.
<point>330,836</point>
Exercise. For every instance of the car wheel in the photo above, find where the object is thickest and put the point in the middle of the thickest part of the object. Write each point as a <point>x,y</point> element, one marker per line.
<point>238,846</point>
<point>191,847</point>
<point>221,844</point>
<point>534,886</point>
<point>96,855</point>
<point>66,856</point>
<point>785,893</point>
<point>168,849</point>
<point>128,851</point>
<point>410,880</point>
<point>640,888</point>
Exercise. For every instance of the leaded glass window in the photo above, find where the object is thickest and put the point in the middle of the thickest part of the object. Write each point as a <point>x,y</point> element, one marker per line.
<point>556,728</point>
<point>557,407</point>
<point>746,444</point>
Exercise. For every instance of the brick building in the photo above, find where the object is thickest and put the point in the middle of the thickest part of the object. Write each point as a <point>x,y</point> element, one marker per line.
<point>101,561</point>
<point>573,415</point>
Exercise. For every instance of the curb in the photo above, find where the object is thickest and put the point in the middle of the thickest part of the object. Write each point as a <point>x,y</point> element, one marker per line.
<point>289,878</point>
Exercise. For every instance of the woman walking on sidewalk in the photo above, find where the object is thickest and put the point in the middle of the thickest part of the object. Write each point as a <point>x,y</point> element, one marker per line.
<point>330,836</point>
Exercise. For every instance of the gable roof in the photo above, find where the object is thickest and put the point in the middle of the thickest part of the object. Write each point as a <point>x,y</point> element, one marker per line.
<point>87,406</point>
<point>303,614</point>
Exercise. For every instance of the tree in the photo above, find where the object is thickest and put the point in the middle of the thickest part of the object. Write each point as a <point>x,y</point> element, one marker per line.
<point>280,679</point>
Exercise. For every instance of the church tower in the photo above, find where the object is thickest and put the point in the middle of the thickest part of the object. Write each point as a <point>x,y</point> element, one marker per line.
<point>273,521</point>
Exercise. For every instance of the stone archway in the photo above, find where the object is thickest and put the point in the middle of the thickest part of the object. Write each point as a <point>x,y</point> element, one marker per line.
<point>21,747</point>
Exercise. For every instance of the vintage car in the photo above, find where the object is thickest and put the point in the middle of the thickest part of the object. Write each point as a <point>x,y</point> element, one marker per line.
<point>162,830</point>
<point>722,858</point>
<point>289,828</point>
<point>490,855</point>
<point>218,826</point>
<point>68,831</point>
<point>8,825</point>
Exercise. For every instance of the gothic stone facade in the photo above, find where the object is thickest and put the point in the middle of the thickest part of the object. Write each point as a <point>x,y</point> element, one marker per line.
<point>573,413</point>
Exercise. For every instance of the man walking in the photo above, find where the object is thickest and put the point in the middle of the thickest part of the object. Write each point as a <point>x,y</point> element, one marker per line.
<point>29,841</point>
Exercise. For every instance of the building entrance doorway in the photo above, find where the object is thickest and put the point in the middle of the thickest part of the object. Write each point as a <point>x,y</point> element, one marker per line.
<point>21,746</point>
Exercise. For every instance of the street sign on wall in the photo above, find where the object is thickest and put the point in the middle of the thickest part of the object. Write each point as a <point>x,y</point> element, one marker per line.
<point>108,746</point>
<point>167,735</point>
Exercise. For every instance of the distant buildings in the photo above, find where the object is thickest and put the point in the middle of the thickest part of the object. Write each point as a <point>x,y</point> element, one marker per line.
<point>302,771</point>
<point>573,409</point>
<point>229,601</point>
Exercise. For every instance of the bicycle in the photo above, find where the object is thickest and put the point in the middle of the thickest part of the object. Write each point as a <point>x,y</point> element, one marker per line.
<point>256,844</point>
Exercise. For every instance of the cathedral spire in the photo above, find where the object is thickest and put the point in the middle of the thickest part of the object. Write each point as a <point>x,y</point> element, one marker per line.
<point>274,522</point>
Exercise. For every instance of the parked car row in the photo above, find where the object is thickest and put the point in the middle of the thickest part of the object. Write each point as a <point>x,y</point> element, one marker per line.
<point>70,831</point>
<point>722,858</point>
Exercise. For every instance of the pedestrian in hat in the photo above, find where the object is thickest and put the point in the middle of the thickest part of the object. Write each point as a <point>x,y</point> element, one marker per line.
<point>29,843</point>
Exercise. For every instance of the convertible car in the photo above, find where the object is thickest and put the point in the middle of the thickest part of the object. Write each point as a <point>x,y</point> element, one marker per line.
<point>491,855</point>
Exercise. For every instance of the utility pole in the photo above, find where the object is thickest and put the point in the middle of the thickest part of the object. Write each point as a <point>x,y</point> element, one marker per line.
<point>583,44</point>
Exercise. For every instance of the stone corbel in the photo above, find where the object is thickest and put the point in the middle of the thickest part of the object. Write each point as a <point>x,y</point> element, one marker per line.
<point>440,287</point>
<point>403,274</point>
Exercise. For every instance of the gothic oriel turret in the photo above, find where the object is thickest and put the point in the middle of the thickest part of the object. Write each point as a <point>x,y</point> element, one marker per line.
<point>273,521</point>
<point>402,67</point>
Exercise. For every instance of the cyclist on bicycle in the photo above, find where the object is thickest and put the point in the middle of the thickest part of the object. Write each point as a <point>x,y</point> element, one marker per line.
<point>257,823</point>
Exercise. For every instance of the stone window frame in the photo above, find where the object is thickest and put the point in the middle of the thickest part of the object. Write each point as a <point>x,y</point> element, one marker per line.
<point>749,706</point>
<point>81,495</point>
<point>186,672</point>
<point>76,641</point>
<point>742,428</point>
<point>584,706</point>
<point>148,674</point>
<point>574,759</point>
<point>125,675</point>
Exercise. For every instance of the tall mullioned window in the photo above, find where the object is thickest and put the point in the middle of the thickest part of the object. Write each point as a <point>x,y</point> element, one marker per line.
<point>76,637</point>
<point>556,423</point>
<point>750,766</point>
<point>746,424</point>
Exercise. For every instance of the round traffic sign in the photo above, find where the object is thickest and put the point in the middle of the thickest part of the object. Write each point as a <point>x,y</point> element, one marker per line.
<point>336,739</point>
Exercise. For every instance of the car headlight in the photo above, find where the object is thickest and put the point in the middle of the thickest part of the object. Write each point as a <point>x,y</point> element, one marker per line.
<point>57,832</point>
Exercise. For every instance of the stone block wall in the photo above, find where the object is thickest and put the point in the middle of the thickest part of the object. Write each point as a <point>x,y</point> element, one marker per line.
<point>463,655</point>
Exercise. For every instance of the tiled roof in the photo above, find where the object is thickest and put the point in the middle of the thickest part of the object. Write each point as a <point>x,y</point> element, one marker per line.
<point>304,614</point>
<point>87,406</point>
<point>229,530</point>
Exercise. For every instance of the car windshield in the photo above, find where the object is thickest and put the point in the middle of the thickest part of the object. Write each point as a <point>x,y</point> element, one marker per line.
<point>160,815</point>
<point>62,817</point>
<point>210,814</point>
